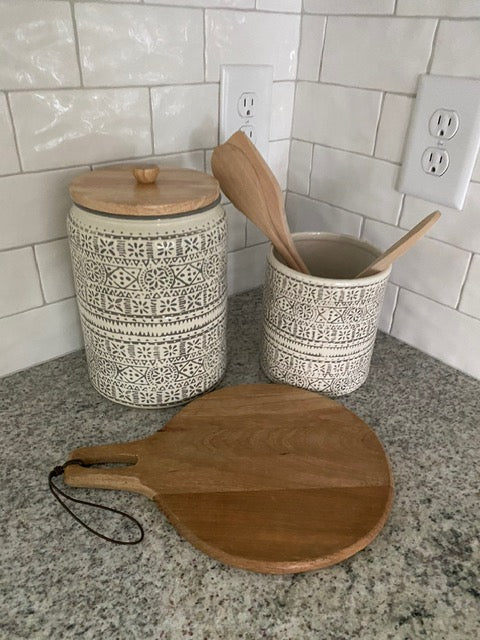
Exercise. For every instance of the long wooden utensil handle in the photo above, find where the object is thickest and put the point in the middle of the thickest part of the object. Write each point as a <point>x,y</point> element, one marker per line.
<point>403,245</point>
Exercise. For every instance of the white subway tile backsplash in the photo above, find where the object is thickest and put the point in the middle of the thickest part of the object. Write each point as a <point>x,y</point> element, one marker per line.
<point>377,53</point>
<point>389,303</point>
<point>354,182</point>
<point>8,155</point>
<point>476,170</point>
<point>254,235</point>
<point>339,117</point>
<point>470,300</point>
<point>278,152</point>
<point>185,117</point>
<point>188,160</point>
<point>299,166</point>
<point>431,268</point>
<point>19,283</point>
<point>139,44</point>
<point>54,264</point>
<point>233,4</point>
<point>452,8</point>
<point>236,228</point>
<point>460,228</point>
<point>246,268</point>
<point>283,95</point>
<point>65,128</point>
<point>440,331</point>
<point>38,335</point>
<point>37,45</point>
<point>305,214</point>
<point>393,127</point>
<point>457,49</point>
<point>349,6</point>
<point>235,37</point>
<point>311,46</point>
<point>34,206</point>
<point>292,6</point>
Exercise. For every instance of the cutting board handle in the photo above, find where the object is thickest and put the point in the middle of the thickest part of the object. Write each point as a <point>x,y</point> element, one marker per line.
<point>125,477</point>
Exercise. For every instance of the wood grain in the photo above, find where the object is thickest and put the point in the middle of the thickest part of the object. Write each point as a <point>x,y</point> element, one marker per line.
<point>400,247</point>
<point>116,190</point>
<point>263,477</point>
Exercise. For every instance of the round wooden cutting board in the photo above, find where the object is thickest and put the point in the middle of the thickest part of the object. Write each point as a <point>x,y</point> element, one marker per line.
<point>263,477</point>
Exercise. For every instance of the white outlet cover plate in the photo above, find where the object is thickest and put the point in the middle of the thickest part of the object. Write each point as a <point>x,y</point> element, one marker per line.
<point>235,80</point>
<point>461,95</point>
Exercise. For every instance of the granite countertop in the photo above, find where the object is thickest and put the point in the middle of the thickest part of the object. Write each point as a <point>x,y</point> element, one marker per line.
<point>418,579</point>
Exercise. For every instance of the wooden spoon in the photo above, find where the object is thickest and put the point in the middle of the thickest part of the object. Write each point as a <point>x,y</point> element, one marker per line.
<point>273,194</point>
<point>240,182</point>
<point>403,245</point>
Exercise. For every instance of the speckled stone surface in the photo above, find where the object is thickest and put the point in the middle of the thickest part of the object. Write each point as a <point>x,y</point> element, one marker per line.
<point>418,579</point>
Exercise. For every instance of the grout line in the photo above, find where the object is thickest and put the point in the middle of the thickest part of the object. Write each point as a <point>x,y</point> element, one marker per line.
<point>150,110</point>
<point>39,276</point>
<point>377,127</point>
<point>323,50</point>
<point>397,293</point>
<point>356,153</point>
<point>118,87</point>
<point>310,169</point>
<point>355,87</point>
<point>465,278</point>
<point>31,244</point>
<point>40,306</point>
<point>14,131</point>
<point>395,4</point>
<point>363,223</point>
<point>77,42</point>
<point>400,211</point>
<point>432,50</point>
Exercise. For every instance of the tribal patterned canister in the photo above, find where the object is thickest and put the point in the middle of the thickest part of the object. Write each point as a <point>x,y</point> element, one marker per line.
<point>151,292</point>
<point>319,332</point>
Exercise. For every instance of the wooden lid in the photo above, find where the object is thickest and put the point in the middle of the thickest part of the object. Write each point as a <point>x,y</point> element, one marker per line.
<point>146,190</point>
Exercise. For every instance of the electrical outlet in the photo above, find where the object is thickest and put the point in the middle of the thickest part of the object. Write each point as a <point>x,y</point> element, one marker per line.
<point>442,141</point>
<point>435,161</point>
<point>245,103</point>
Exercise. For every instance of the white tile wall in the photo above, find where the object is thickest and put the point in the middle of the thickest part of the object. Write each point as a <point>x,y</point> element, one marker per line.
<point>87,84</point>
<point>393,127</point>
<point>436,287</point>
<point>389,303</point>
<point>139,44</point>
<point>18,266</point>
<point>457,50</point>
<point>365,52</point>
<point>432,268</point>
<point>349,6</point>
<point>305,214</point>
<point>8,156</point>
<point>461,228</point>
<point>34,206</point>
<point>311,47</point>
<point>454,8</point>
<point>65,128</point>
<point>37,45</point>
<point>357,183</point>
<point>54,264</point>
<point>39,335</point>
<point>470,301</point>
<point>293,6</point>
<point>283,95</point>
<point>440,331</point>
<point>174,106</point>
<point>253,38</point>
<point>300,166</point>
<point>337,116</point>
<point>246,269</point>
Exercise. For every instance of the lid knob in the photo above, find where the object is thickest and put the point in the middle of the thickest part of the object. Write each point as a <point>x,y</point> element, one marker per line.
<point>147,174</point>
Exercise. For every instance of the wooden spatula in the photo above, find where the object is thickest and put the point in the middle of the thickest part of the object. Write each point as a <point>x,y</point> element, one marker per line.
<point>273,194</point>
<point>241,183</point>
<point>403,245</point>
<point>263,477</point>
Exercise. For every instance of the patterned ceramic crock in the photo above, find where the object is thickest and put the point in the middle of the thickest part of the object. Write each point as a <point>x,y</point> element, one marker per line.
<point>152,299</point>
<point>319,332</point>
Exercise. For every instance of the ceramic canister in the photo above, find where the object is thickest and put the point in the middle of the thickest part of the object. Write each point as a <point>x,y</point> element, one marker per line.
<point>149,263</point>
<point>319,330</point>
